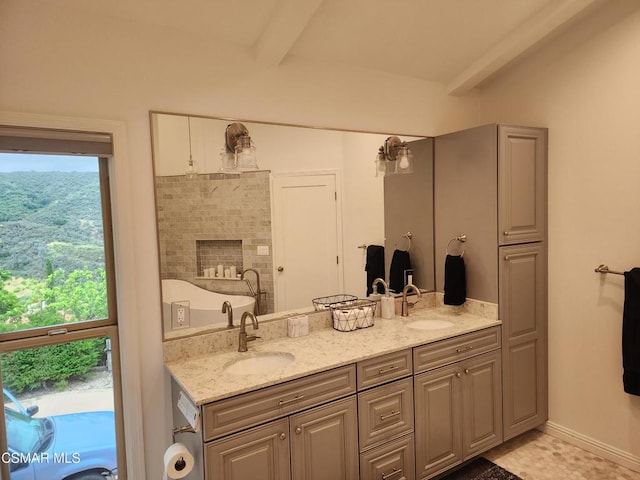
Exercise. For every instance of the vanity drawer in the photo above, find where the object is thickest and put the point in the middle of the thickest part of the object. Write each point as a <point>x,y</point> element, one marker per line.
<point>242,411</point>
<point>385,412</point>
<point>385,368</point>
<point>392,461</point>
<point>451,350</point>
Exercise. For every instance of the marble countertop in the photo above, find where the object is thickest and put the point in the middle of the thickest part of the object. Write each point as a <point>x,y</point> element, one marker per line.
<point>205,380</point>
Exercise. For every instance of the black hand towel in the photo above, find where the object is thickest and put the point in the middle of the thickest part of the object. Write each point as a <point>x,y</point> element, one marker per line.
<point>455,281</point>
<point>374,267</point>
<point>631,332</point>
<point>399,263</point>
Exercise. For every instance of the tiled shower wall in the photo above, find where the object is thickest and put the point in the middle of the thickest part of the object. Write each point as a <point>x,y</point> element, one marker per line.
<point>215,207</point>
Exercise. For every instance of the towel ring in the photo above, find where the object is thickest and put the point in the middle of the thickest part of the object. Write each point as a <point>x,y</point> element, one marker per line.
<point>460,238</point>
<point>408,236</point>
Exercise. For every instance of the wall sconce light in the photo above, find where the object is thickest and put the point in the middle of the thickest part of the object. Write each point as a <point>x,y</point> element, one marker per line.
<point>394,157</point>
<point>240,147</point>
<point>191,170</point>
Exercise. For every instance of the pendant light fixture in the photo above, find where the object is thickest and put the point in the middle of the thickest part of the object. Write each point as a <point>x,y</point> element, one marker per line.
<point>192,169</point>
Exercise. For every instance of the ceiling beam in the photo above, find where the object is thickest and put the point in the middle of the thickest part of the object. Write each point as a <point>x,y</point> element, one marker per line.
<point>285,26</point>
<point>530,33</point>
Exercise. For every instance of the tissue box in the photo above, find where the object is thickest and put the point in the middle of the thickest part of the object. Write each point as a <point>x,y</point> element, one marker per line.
<point>298,326</point>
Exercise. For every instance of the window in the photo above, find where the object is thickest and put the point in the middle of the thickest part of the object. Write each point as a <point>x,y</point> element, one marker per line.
<point>59,356</point>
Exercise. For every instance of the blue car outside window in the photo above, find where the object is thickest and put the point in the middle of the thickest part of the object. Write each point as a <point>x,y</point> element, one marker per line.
<point>24,434</point>
<point>72,454</point>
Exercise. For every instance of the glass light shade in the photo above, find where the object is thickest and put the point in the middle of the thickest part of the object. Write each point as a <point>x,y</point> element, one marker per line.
<point>191,170</point>
<point>404,160</point>
<point>381,165</point>
<point>228,162</point>
<point>246,154</point>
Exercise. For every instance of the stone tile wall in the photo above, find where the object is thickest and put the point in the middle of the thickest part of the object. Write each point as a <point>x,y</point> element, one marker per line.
<point>212,208</point>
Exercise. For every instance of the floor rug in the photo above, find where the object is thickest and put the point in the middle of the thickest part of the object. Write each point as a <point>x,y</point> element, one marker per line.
<point>481,469</point>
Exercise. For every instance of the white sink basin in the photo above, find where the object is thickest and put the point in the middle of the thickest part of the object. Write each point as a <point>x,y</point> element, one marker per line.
<point>430,324</point>
<point>258,363</point>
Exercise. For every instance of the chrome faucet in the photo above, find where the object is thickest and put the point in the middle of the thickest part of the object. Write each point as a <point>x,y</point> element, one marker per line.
<point>226,308</point>
<point>243,337</point>
<point>256,293</point>
<point>405,302</point>
<point>384,284</point>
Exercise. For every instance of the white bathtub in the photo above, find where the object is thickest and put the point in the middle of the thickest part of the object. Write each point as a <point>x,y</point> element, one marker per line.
<point>205,307</point>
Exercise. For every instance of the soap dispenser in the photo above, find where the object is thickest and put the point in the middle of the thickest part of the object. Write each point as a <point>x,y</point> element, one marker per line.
<point>387,302</point>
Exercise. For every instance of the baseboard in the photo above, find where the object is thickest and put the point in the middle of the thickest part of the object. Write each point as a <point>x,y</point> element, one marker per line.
<point>589,444</point>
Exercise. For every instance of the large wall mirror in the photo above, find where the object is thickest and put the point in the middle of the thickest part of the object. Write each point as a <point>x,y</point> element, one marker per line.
<point>298,225</point>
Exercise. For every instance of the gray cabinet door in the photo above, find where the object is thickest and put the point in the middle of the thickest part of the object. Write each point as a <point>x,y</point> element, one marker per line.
<point>261,452</point>
<point>522,188</point>
<point>481,404</point>
<point>523,310</point>
<point>438,416</point>
<point>324,442</point>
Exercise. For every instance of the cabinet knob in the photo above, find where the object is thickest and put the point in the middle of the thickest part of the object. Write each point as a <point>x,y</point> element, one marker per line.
<point>283,436</point>
<point>281,269</point>
<point>466,370</point>
<point>458,374</point>
<point>298,430</point>
<point>506,233</point>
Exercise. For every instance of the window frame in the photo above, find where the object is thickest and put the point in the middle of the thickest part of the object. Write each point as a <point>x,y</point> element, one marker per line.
<point>109,266</point>
<point>110,331</point>
<point>125,273</point>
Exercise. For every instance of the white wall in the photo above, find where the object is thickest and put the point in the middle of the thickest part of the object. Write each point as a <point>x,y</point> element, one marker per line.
<point>585,88</point>
<point>61,62</point>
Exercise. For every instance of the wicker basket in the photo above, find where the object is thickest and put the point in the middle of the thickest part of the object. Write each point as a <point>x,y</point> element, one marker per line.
<point>354,315</point>
<point>340,300</point>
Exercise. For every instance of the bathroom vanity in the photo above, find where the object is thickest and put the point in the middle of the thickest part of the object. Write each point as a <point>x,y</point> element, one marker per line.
<point>408,403</point>
<point>397,401</point>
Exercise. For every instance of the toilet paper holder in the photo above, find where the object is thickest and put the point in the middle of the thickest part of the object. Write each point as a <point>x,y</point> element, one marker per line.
<point>180,464</point>
<point>184,429</point>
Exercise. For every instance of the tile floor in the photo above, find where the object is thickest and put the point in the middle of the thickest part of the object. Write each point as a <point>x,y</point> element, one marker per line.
<point>538,456</point>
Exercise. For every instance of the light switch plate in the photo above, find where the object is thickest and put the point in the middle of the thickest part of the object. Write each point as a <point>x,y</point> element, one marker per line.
<point>263,249</point>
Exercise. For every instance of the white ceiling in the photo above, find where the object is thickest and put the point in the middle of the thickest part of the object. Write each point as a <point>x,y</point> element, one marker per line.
<point>459,43</point>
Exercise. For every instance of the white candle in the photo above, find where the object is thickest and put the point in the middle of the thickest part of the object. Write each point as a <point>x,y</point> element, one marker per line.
<point>220,270</point>
<point>227,273</point>
<point>233,272</point>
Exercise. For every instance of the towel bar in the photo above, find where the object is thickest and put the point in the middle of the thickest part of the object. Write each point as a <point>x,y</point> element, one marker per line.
<point>408,236</point>
<point>602,268</point>
<point>460,238</point>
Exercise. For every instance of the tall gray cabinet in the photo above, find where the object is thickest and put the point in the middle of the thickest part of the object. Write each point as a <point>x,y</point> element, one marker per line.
<point>491,184</point>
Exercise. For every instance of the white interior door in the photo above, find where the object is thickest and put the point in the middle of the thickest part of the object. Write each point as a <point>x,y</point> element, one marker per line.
<point>306,235</point>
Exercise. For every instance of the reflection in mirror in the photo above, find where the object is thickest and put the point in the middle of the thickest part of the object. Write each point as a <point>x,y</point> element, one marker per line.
<point>273,238</point>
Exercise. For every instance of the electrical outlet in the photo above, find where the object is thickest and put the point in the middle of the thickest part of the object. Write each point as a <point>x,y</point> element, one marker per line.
<point>263,250</point>
<point>180,314</point>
